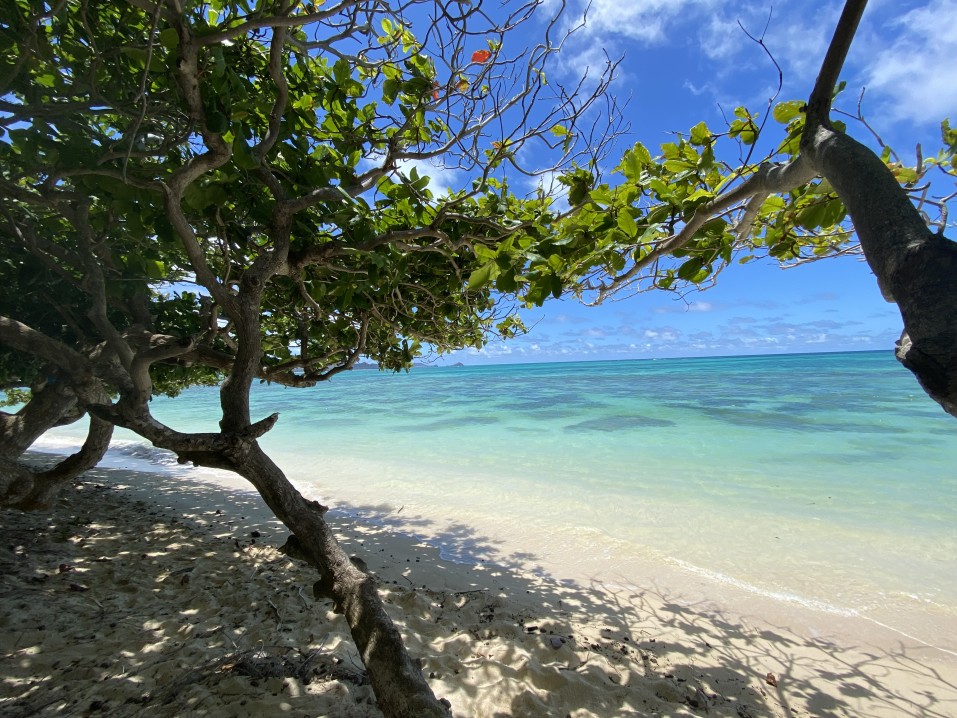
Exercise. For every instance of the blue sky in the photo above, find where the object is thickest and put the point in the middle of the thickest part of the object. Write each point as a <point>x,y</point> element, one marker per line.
<point>685,60</point>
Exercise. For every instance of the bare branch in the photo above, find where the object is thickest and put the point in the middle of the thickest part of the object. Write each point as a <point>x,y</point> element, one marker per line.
<point>26,339</point>
<point>819,103</point>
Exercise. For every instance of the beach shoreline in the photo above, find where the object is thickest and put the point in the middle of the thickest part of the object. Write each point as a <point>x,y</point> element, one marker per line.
<point>495,639</point>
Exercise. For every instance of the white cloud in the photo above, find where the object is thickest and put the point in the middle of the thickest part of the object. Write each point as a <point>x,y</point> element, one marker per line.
<point>683,308</point>
<point>914,73</point>
<point>798,39</point>
<point>547,183</point>
<point>903,56</point>
<point>647,20</point>
<point>721,38</point>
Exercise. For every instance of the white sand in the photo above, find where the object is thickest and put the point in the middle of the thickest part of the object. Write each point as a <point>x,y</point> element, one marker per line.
<point>145,594</point>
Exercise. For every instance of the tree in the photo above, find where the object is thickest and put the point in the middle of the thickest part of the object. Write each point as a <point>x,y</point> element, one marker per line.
<point>53,398</point>
<point>268,154</point>
<point>675,221</point>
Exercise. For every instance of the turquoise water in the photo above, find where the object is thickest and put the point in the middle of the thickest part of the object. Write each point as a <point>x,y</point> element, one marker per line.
<point>826,479</point>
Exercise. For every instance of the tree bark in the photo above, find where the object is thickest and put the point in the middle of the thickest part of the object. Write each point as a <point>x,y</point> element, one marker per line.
<point>48,484</point>
<point>49,406</point>
<point>915,268</point>
<point>400,688</point>
<point>27,489</point>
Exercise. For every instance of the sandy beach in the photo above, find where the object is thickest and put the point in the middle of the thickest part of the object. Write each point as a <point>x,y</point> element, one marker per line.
<point>148,594</point>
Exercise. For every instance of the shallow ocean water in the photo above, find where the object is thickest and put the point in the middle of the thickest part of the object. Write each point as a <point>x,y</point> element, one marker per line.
<point>829,480</point>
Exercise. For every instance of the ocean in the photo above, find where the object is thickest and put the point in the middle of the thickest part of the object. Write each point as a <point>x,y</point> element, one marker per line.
<point>828,481</point>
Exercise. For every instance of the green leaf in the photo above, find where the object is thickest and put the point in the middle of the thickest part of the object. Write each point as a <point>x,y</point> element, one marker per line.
<point>834,213</point>
<point>217,122</point>
<point>651,233</point>
<point>905,175</point>
<point>484,254</point>
<point>697,195</point>
<point>556,286</point>
<point>155,269</point>
<point>506,282</point>
<point>304,102</point>
<point>700,134</point>
<point>812,217</point>
<point>634,161</point>
<point>342,71</point>
<point>137,54</point>
<point>242,155</point>
<point>627,223</point>
<point>745,130</point>
<point>690,268</point>
<point>169,38</point>
<point>678,165</point>
<point>784,112</point>
<point>483,275</point>
<point>537,294</point>
<point>390,90</point>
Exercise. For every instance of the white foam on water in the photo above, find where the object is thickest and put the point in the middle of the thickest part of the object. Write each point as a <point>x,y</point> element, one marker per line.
<point>783,596</point>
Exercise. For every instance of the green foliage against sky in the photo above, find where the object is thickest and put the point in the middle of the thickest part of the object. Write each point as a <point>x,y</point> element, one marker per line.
<point>632,233</point>
<point>151,159</point>
<point>145,149</point>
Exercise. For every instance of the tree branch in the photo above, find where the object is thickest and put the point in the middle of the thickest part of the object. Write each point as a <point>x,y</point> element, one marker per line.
<point>26,339</point>
<point>819,103</point>
<point>769,178</point>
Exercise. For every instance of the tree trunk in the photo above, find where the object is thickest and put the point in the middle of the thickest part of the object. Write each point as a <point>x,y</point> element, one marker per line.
<point>49,405</point>
<point>915,268</point>
<point>24,488</point>
<point>400,688</point>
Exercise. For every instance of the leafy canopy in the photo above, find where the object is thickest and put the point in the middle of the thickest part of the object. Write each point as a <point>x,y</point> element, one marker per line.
<point>149,147</point>
<point>674,221</point>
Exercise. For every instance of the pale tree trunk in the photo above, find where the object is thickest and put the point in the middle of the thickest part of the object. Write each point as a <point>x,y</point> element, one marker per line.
<point>400,688</point>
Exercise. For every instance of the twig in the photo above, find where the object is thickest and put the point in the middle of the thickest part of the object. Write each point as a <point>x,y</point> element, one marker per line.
<point>278,615</point>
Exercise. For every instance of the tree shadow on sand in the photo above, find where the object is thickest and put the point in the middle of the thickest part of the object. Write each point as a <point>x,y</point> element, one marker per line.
<point>181,604</point>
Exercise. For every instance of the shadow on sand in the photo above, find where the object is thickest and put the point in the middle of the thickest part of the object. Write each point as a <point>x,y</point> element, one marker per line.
<point>149,594</point>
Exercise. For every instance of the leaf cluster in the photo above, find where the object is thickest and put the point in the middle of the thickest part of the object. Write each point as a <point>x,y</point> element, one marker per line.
<point>631,232</point>
<point>161,169</point>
